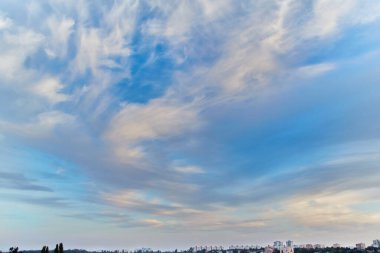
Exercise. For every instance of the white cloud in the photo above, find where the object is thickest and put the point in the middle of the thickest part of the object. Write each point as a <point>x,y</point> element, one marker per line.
<point>27,39</point>
<point>127,198</point>
<point>16,46</point>
<point>97,46</point>
<point>278,39</point>
<point>60,31</point>
<point>40,126</point>
<point>189,169</point>
<point>174,216</point>
<point>150,222</point>
<point>327,17</point>
<point>50,88</point>
<point>247,57</point>
<point>331,17</point>
<point>5,22</point>
<point>48,120</point>
<point>156,120</point>
<point>175,26</point>
<point>338,208</point>
<point>88,50</point>
<point>316,69</point>
<point>214,11</point>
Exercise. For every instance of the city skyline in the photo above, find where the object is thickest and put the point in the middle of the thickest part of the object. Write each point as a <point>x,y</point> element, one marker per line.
<point>199,248</point>
<point>169,124</point>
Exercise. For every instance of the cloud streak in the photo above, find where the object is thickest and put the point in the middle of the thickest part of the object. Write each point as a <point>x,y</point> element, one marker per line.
<point>20,182</point>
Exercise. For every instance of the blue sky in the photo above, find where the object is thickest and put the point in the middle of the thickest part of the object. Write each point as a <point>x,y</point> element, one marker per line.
<point>170,124</point>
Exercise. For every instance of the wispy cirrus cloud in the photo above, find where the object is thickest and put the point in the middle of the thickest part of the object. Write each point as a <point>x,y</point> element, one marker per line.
<point>20,182</point>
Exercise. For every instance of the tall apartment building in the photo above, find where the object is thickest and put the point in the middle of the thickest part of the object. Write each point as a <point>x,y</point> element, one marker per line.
<point>360,246</point>
<point>289,243</point>
<point>278,245</point>
<point>268,249</point>
<point>286,249</point>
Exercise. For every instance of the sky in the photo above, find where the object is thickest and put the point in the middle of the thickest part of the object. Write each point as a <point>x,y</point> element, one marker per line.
<point>170,124</point>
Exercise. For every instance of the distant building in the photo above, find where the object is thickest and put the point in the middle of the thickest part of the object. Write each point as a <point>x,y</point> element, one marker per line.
<point>268,249</point>
<point>289,243</point>
<point>336,245</point>
<point>144,250</point>
<point>360,246</point>
<point>376,243</point>
<point>319,246</point>
<point>278,244</point>
<point>309,246</point>
<point>286,249</point>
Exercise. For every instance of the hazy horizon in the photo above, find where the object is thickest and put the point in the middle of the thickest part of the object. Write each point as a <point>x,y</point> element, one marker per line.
<point>170,124</point>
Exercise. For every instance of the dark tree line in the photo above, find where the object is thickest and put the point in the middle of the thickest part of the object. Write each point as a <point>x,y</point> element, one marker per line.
<point>13,250</point>
<point>338,250</point>
<point>58,248</point>
<point>45,249</point>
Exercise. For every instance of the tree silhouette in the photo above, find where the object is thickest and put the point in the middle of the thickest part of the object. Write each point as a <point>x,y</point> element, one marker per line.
<point>13,250</point>
<point>45,249</point>
<point>56,250</point>
<point>60,248</point>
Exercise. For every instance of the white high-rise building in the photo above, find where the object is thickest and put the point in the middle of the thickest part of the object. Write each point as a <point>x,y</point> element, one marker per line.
<point>268,249</point>
<point>278,245</point>
<point>360,246</point>
<point>289,243</point>
<point>286,249</point>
